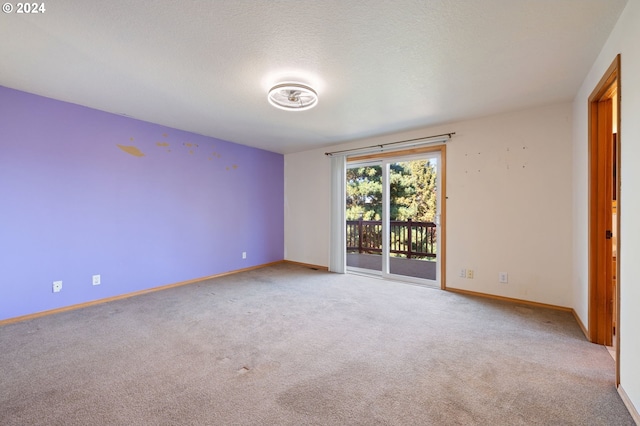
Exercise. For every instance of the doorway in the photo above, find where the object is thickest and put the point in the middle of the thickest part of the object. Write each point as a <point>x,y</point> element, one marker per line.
<point>394,215</point>
<point>604,211</point>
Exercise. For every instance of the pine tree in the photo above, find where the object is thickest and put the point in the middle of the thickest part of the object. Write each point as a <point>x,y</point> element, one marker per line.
<point>412,191</point>
<point>364,193</point>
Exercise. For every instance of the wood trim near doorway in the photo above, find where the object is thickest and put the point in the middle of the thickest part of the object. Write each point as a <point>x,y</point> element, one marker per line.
<point>601,296</point>
<point>600,212</point>
<point>442,149</point>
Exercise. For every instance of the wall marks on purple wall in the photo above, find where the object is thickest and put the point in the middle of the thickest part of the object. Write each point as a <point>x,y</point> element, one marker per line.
<point>84,192</point>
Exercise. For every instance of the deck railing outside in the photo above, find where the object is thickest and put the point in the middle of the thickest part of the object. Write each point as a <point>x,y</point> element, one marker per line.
<point>407,238</point>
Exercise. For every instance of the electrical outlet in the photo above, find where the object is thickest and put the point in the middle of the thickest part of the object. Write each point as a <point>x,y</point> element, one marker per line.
<point>470,273</point>
<point>96,280</point>
<point>463,273</point>
<point>57,286</point>
<point>503,277</point>
<point>244,254</point>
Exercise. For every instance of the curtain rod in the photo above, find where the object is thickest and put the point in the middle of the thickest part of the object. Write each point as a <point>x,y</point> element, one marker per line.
<point>383,145</point>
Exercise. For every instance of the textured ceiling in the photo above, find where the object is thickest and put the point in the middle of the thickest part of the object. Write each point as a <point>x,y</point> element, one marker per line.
<point>378,66</point>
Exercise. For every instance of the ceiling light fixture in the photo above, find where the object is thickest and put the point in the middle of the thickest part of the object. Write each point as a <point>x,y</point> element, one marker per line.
<point>292,97</point>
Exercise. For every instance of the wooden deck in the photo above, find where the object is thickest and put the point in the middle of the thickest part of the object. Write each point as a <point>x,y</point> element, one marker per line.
<point>400,266</point>
<point>408,238</point>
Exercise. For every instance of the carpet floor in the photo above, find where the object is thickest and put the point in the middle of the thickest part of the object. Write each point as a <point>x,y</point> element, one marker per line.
<point>287,345</point>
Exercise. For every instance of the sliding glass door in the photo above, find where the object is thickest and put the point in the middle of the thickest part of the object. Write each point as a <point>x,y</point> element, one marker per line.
<point>392,213</point>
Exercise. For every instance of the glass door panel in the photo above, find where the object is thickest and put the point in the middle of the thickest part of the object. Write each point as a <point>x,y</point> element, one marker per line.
<point>413,214</point>
<point>364,216</point>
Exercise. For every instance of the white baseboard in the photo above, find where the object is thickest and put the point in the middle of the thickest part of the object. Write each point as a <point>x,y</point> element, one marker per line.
<point>627,402</point>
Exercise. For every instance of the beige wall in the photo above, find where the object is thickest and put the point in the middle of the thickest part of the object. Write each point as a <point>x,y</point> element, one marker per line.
<point>508,207</point>
<point>307,196</point>
<point>624,39</point>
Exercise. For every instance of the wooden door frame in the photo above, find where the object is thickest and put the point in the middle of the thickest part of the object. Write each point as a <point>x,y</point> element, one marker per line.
<point>600,194</point>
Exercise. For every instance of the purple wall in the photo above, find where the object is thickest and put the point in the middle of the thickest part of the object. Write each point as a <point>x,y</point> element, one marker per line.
<point>77,198</point>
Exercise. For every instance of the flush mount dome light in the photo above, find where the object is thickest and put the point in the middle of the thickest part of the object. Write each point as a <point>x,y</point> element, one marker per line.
<point>292,97</point>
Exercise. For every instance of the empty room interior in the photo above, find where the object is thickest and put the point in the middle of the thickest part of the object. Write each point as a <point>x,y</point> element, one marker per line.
<point>337,212</point>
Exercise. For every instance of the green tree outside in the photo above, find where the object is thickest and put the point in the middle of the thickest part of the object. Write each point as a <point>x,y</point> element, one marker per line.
<point>412,187</point>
